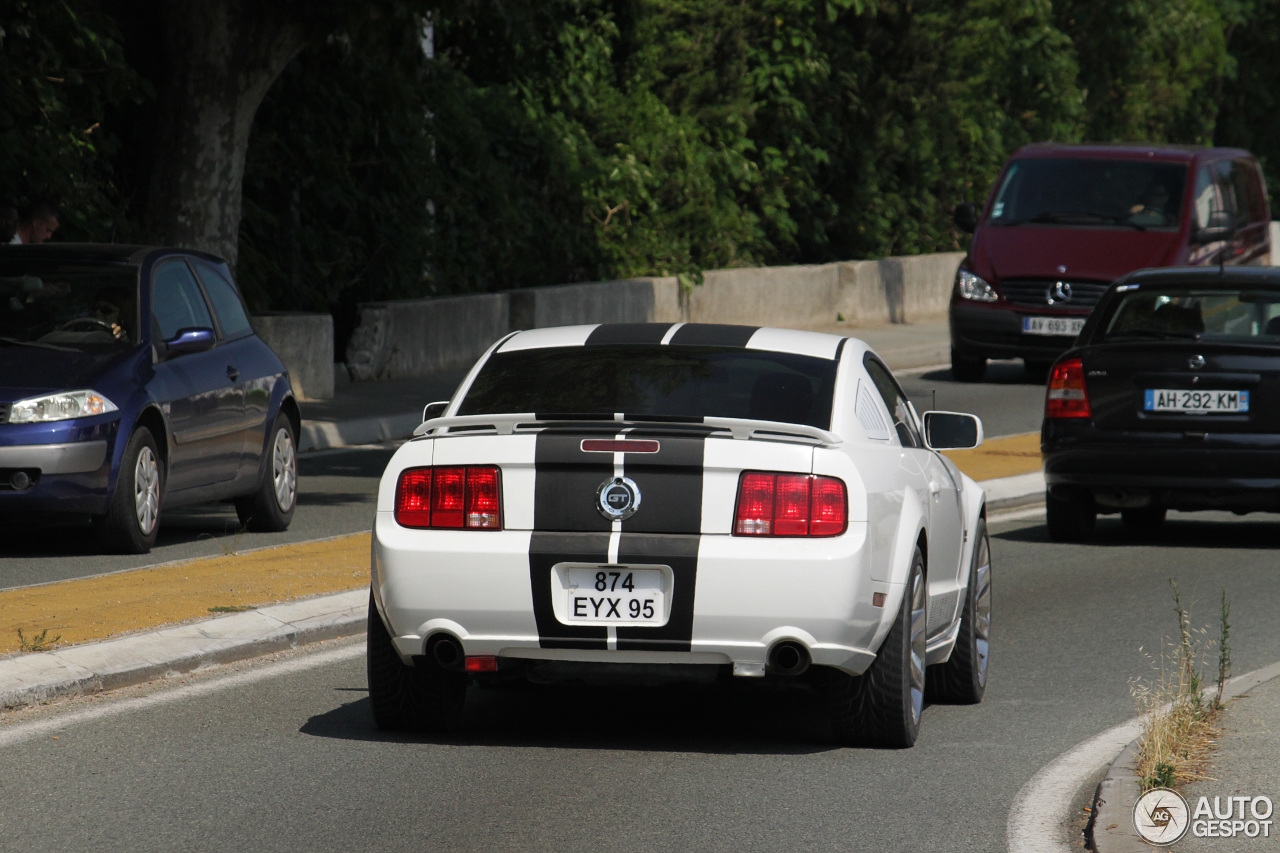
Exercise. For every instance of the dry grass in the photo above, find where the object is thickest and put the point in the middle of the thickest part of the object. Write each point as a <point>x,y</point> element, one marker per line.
<point>1179,718</point>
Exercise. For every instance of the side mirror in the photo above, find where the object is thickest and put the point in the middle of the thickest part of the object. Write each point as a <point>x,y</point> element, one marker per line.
<point>434,410</point>
<point>1221,226</point>
<point>952,431</point>
<point>965,216</point>
<point>190,340</point>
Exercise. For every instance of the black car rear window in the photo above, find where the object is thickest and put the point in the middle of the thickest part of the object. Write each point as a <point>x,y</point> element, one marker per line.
<point>78,305</point>
<point>1155,312</point>
<point>1079,191</point>
<point>657,381</point>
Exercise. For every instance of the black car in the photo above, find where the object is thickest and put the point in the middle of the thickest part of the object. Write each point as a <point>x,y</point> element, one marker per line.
<point>1169,399</point>
<point>133,383</point>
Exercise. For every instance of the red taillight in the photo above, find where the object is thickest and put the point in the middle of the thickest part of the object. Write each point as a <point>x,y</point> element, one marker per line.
<point>460,498</point>
<point>1067,397</point>
<point>790,505</point>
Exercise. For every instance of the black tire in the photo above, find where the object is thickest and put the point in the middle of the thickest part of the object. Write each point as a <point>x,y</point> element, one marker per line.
<point>1071,518</point>
<point>269,509</point>
<point>962,680</point>
<point>420,698</point>
<point>882,707</point>
<point>132,519</point>
<point>1144,518</point>
<point>967,369</point>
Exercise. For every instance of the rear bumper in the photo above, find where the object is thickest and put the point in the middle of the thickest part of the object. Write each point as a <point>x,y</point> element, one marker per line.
<point>1140,472</point>
<point>995,331</point>
<point>483,588</point>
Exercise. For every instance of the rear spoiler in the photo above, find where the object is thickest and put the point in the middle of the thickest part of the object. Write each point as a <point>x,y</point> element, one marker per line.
<point>739,428</point>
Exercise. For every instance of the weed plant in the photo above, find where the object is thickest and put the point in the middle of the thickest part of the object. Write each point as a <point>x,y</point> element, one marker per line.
<point>1179,721</point>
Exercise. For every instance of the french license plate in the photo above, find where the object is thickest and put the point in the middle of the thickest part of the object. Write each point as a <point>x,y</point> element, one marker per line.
<point>1185,401</point>
<point>614,595</point>
<point>1057,326</point>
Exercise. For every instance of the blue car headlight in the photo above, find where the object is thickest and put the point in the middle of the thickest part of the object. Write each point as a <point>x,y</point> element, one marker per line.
<point>62,406</point>
<point>974,288</point>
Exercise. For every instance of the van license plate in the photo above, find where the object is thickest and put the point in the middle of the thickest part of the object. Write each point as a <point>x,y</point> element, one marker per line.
<point>1056,326</point>
<point>1195,402</point>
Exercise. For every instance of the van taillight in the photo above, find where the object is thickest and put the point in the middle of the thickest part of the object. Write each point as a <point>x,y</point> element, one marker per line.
<point>1067,397</point>
<point>467,498</point>
<point>790,505</point>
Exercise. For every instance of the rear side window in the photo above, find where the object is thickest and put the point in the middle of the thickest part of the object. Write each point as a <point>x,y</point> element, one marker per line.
<point>176,301</point>
<point>226,302</point>
<point>668,381</point>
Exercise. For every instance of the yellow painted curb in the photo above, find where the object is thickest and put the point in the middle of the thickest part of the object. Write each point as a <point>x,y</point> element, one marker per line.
<point>1000,457</point>
<point>90,609</point>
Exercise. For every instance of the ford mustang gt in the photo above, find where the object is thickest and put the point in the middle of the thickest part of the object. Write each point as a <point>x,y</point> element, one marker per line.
<point>682,502</point>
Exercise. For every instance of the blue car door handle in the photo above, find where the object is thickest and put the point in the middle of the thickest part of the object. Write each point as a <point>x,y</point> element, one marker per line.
<point>232,373</point>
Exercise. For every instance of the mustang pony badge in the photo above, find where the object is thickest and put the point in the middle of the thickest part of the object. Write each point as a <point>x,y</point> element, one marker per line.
<point>618,498</point>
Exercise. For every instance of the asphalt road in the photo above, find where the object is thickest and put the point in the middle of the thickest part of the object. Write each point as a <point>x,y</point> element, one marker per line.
<point>281,756</point>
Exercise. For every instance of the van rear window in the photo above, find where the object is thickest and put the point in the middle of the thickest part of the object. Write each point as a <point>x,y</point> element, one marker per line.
<point>1089,192</point>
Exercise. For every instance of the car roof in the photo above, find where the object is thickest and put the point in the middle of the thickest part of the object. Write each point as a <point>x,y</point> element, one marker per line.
<point>1127,151</point>
<point>817,344</point>
<point>1205,276</point>
<point>100,253</point>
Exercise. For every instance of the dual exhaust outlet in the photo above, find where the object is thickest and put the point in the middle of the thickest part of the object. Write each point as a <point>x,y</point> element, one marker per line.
<point>787,658</point>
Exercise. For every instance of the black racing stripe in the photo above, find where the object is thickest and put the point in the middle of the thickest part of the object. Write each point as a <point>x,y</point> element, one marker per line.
<point>681,554</point>
<point>565,484</point>
<point>670,484</point>
<point>628,333</point>
<point>713,335</point>
<point>545,550</point>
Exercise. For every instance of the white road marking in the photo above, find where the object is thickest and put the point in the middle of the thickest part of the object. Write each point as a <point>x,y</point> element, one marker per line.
<point>35,728</point>
<point>1043,804</point>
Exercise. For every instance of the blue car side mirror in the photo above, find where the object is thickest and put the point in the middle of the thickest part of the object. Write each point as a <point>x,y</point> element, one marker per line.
<point>190,340</point>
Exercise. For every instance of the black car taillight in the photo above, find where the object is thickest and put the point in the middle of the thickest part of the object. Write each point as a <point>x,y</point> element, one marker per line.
<point>1067,397</point>
<point>461,498</point>
<point>790,505</point>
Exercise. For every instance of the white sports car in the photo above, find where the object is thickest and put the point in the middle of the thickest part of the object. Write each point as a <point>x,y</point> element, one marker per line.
<point>658,501</point>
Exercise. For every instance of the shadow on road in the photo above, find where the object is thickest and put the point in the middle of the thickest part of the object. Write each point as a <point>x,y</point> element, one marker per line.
<point>729,719</point>
<point>1179,531</point>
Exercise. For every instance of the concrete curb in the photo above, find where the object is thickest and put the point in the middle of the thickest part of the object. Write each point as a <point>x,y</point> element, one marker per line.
<point>323,435</point>
<point>31,679</point>
<point>1113,829</point>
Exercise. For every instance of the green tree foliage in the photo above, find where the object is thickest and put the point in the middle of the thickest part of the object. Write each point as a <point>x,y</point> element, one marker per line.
<point>63,69</point>
<point>1150,69</point>
<point>575,140</point>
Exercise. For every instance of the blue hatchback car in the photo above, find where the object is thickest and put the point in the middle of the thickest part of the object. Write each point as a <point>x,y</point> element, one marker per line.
<point>131,382</point>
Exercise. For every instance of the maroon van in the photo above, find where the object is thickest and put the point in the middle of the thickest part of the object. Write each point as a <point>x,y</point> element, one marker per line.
<point>1064,221</point>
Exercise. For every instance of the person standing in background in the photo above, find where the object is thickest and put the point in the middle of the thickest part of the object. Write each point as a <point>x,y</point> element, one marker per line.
<point>38,225</point>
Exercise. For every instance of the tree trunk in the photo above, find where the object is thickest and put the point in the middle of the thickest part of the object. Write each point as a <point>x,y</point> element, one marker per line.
<point>220,58</point>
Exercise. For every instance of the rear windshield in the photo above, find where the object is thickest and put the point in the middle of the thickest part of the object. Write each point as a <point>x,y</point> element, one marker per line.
<point>666,381</point>
<point>81,306</point>
<point>1136,194</point>
<point>1196,314</point>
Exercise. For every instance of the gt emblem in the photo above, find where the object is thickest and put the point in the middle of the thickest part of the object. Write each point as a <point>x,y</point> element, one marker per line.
<point>1059,292</point>
<point>618,498</point>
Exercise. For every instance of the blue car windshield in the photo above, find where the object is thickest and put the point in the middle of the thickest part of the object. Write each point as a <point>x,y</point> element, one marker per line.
<point>682,382</point>
<point>80,306</point>
<point>1091,192</point>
